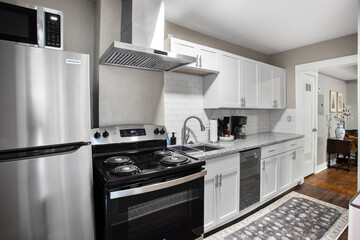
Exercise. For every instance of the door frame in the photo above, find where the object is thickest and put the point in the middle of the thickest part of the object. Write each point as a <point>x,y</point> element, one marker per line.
<point>315,74</point>
<point>315,67</point>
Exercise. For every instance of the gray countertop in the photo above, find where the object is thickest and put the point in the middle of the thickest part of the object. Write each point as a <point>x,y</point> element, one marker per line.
<point>251,141</point>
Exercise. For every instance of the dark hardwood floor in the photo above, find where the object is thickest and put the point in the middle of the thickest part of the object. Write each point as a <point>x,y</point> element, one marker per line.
<point>339,181</point>
<point>333,186</point>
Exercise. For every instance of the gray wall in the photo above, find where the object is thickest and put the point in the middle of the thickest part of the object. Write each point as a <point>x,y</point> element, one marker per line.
<point>351,100</point>
<point>327,123</point>
<point>124,95</point>
<point>202,39</point>
<point>334,48</point>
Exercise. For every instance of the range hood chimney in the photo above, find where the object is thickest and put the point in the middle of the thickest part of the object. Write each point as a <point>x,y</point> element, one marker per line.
<point>142,39</point>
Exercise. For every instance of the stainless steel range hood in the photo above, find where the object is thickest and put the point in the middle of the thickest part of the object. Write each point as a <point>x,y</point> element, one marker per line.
<point>142,34</point>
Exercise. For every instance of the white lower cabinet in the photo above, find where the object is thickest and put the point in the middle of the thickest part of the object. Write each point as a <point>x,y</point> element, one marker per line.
<point>281,168</point>
<point>269,177</point>
<point>221,190</point>
<point>228,203</point>
<point>297,166</point>
<point>285,161</point>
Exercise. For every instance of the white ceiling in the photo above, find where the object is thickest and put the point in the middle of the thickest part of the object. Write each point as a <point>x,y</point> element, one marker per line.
<point>344,73</point>
<point>268,26</point>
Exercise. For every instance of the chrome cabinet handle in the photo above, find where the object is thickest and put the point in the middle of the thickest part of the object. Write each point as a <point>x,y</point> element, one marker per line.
<point>216,181</point>
<point>273,150</point>
<point>220,180</point>
<point>263,166</point>
<point>293,145</point>
<point>244,102</point>
<point>154,187</point>
<point>294,156</point>
<point>275,103</point>
<point>200,61</point>
<point>314,130</point>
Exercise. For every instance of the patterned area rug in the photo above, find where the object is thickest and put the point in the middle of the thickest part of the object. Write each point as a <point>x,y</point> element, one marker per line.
<point>295,216</point>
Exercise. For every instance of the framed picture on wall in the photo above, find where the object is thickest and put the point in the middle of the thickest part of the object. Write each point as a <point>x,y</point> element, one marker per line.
<point>340,102</point>
<point>333,101</point>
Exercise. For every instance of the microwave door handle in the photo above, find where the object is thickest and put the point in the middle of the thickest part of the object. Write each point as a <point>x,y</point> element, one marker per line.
<point>154,187</point>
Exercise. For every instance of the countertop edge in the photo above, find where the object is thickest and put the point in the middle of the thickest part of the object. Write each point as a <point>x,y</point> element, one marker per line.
<point>223,152</point>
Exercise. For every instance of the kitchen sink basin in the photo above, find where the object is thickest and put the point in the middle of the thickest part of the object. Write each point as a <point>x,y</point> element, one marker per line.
<point>184,149</point>
<point>206,148</point>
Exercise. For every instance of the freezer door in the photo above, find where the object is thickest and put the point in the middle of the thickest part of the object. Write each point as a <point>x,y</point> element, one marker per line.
<point>47,198</point>
<point>44,97</point>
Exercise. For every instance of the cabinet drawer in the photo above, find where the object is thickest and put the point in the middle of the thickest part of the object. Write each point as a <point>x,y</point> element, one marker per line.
<point>291,145</point>
<point>215,165</point>
<point>269,151</point>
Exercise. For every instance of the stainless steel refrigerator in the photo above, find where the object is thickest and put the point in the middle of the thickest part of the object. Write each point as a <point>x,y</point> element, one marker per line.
<point>45,155</point>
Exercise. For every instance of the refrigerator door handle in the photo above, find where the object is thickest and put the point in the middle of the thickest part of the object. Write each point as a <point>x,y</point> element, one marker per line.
<point>21,154</point>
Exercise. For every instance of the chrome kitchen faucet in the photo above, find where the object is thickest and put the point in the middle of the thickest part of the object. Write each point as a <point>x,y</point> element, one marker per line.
<point>185,136</point>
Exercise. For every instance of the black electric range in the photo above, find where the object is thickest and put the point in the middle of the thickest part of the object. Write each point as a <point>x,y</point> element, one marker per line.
<point>134,173</point>
<point>143,167</point>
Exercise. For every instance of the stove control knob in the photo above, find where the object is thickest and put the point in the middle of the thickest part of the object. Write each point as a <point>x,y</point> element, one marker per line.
<point>162,131</point>
<point>156,131</point>
<point>97,135</point>
<point>106,134</point>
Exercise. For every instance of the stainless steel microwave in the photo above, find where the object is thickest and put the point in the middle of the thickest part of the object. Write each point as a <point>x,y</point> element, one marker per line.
<point>34,25</point>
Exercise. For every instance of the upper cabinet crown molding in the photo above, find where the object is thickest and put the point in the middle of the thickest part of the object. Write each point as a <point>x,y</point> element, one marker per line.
<point>232,81</point>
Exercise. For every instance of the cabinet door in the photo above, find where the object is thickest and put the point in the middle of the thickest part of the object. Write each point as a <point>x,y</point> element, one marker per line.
<point>269,179</point>
<point>297,165</point>
<point>228,199</point>
<point>210,202</point>
<point>249,84</point>
<point>208,58</point>
<point>265,84</point>
<point>230,81</point>
<point>279,88</point>
<point>285,160</point>
<point>185,48</point>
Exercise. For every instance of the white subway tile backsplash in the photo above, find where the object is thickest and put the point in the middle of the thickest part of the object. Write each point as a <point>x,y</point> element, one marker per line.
<point>283,121</point>
<point>184,97</point>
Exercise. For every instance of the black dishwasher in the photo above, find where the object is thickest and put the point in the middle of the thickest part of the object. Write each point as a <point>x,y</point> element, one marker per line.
<point>249,177</point>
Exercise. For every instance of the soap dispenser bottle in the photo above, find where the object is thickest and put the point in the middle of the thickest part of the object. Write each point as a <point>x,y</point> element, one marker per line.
<point>173,139</point>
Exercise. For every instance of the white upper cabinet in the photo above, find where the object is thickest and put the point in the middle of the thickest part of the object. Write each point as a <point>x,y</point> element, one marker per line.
<point>184,47</point>
<point>232,81</point>
<point>250,84</point>
<point>229,81</point>
<point>207,59</point>
<point>279,88</point>
<point>265,86</point>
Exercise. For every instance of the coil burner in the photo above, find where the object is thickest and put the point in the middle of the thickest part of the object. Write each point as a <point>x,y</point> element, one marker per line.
<point>174,160</point>
<point>126,170</point>
<point>118,160</point>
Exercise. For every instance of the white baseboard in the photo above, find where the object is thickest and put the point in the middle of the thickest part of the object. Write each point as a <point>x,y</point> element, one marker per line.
<point>321,167</point>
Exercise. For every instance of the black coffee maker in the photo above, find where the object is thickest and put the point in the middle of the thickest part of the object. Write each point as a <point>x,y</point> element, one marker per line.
<point>238,127</point>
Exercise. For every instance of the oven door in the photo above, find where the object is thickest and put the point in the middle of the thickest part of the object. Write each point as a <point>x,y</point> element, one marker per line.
<point>172,210</point>
<point>18,24</point>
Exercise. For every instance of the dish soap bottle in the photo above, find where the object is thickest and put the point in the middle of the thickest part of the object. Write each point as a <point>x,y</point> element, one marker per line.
<point>173,139</point>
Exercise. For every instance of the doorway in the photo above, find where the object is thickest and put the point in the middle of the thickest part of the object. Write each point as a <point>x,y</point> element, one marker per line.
<point>304,74</point>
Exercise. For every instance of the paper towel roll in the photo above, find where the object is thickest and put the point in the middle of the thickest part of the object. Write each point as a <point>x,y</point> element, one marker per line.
<point>213,130</point>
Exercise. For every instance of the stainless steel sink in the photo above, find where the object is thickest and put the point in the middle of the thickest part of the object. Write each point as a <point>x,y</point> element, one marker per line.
<point>184,149</point>
<point>206,148</point>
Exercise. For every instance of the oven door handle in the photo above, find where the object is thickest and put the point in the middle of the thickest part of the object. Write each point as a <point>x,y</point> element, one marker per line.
<point>154,187</point>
